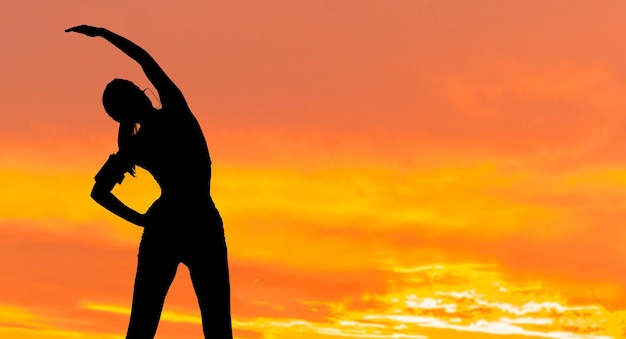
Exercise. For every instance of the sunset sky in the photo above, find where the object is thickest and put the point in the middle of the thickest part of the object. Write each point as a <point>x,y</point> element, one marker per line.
<point>385,169</point>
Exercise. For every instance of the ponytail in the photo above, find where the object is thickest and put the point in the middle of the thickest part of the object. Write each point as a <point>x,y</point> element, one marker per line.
<point>124,143</point>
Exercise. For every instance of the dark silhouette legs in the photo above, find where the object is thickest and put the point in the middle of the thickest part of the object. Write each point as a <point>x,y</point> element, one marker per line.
<point>209,276</point>
<point>206,257</point>
<point>155,273</point>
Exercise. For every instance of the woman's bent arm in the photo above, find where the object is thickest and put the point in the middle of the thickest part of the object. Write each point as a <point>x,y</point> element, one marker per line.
<point>112,173</point>
<point>103,196</point>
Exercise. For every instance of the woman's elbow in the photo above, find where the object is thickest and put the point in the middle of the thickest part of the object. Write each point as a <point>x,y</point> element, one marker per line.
<point>98,195</point>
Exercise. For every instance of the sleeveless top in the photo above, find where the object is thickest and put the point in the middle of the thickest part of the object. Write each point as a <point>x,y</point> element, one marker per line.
<point>172,147</point>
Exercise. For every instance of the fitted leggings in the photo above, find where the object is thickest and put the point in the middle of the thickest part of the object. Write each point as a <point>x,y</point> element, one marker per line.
<point>159,256</point>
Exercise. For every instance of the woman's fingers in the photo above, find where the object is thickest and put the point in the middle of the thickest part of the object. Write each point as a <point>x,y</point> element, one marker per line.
<point>84,29</point>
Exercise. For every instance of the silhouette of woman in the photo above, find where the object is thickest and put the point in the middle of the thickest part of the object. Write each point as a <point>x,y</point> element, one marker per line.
<point>183,224</point>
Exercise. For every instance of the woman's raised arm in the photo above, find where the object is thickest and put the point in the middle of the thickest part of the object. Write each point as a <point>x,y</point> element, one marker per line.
<point>168,91</point>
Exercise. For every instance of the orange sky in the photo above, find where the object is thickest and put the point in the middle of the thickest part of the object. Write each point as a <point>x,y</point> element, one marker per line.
<point>385,169</point>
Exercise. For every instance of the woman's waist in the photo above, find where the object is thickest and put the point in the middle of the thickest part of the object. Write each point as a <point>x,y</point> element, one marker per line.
<point>176,209</point>
<point>184,186</point>
<point>173,179</point>
<point>185,193</point>
<point>185,198</point>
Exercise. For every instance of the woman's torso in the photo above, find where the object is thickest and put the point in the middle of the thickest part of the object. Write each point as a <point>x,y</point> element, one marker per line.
<point>171,146</point>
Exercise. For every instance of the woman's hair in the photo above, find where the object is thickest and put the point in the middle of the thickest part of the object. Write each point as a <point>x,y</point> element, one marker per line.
<point>124,137</point>
<point>122,97</point>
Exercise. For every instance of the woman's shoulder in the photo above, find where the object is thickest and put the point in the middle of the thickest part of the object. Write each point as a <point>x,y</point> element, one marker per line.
<point>176,113</point>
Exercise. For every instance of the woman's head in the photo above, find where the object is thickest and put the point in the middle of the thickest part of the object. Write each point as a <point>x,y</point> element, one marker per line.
<point>125,102</point>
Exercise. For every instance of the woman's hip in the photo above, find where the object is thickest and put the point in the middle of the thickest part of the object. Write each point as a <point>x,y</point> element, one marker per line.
<point>173,210</point>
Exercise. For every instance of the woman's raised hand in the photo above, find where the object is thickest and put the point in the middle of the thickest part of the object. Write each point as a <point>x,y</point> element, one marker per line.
<point>87,30</point>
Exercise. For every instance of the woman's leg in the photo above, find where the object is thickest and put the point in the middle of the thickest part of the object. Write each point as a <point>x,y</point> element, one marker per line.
<point>156,269</point>
<point>208,266</point>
